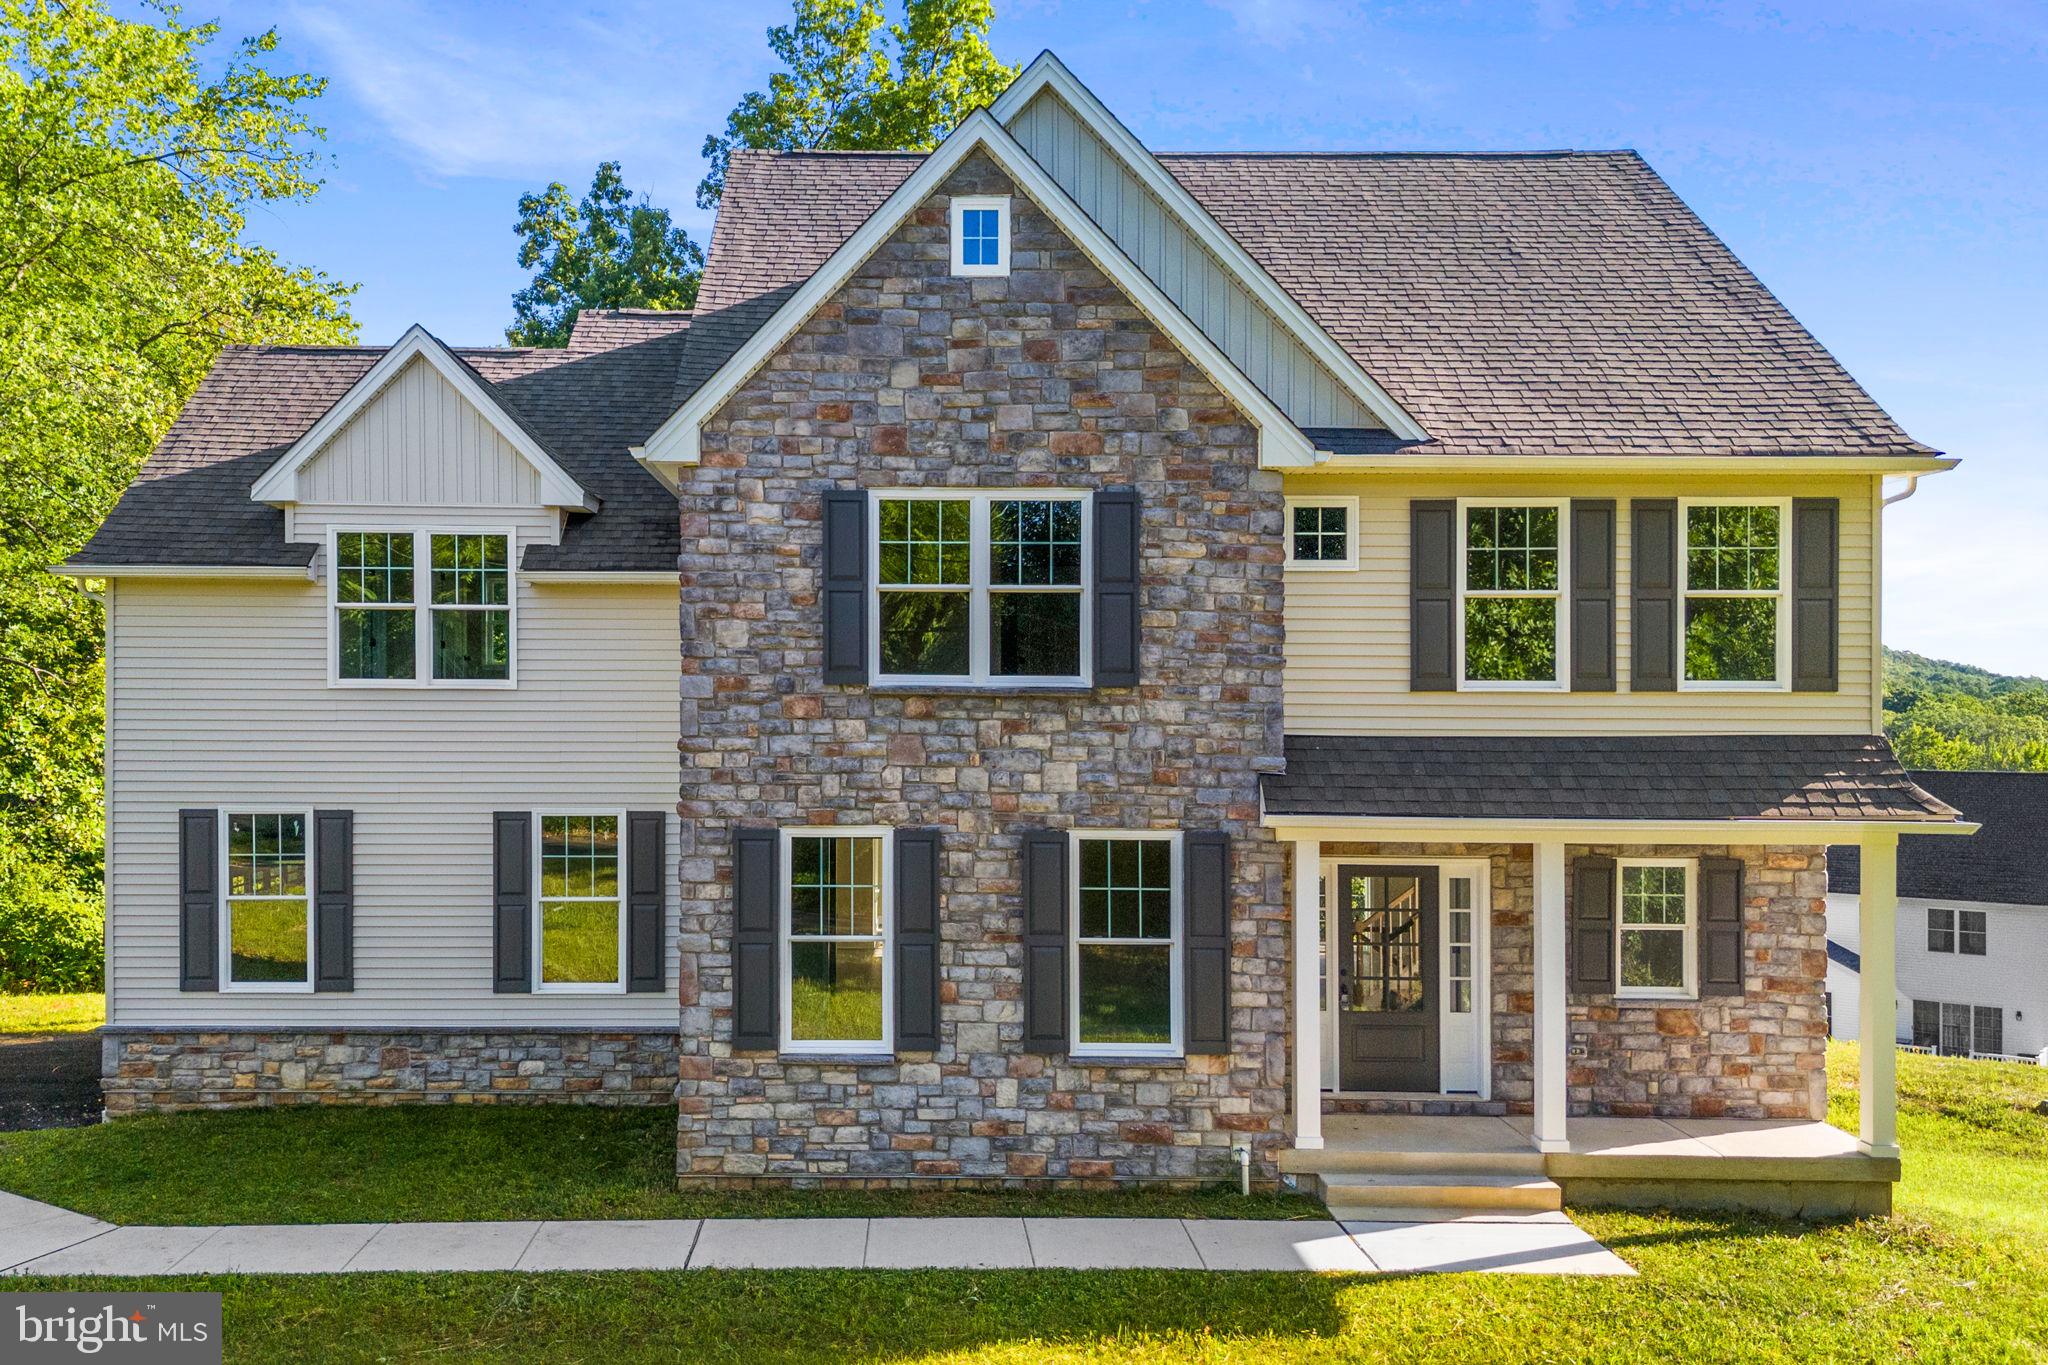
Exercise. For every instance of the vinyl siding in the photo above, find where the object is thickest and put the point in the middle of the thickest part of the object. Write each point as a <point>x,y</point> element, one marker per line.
<point>1347,632</point>
<point>420,443</point>
<point>219,697</point>
<point>1191,276</point>
<point>2008,976</point>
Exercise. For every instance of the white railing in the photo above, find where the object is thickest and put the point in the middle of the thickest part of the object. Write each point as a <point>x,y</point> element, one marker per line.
<point>1923,1051</point>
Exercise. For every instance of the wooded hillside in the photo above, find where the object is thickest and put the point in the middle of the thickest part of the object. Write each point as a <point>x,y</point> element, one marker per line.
<point>1947,715</point>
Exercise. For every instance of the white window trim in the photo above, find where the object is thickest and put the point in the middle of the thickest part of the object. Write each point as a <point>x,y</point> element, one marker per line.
<point>1688,932</point>
<point>961,204</point>
<point>1174,945</point>
<point>980,590</point>
<point>1954,941</point>
<point>886,879</point>
<point>1782,653</point>
<point>422,606</point>
<point>617,985</point>
<point>1347,564</point>
<point>228,984</point>
<point>1560,596</point>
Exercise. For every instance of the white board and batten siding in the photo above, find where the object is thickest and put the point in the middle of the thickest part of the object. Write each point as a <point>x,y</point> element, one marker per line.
<point>1211,296</point>
<point>420,444</point>
<point>219,697</point>
<point>1347,632</point>
<point>2008,977</point>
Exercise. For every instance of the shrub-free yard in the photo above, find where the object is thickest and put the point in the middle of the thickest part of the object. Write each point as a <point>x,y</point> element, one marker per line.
<point>52,1013</point>
<point>1949,1277</point>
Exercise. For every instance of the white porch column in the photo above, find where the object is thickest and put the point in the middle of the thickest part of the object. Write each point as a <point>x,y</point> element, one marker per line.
<point>1549,1042</point>
<point>1877,994</point>
<point>1308,1011</point>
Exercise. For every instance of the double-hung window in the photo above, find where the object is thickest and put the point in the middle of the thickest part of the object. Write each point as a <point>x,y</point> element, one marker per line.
<point>1735,603</point>
<point>1655,928</point>
<point>1959,1030</point>
<point>1511,571</point>
<point>580,915</point>
<point>267,943</point>
<point>981,235</point>
<point>1321,533</point>
<point>414,608</point>
<point>837,971</point>
<point>1126,963</point>
<point>1956,931</point>
<point>981,588</point>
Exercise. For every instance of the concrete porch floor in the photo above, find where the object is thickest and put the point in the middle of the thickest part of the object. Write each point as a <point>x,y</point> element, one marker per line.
<point>1612,1137</point>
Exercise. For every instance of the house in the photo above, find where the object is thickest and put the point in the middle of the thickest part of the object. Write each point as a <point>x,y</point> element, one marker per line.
<point>1070,664</point>
<point>1972,925</point>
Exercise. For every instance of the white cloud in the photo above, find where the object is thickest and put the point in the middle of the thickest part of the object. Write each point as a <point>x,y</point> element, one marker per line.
<point>1280,23</point>
<point>552,93</point>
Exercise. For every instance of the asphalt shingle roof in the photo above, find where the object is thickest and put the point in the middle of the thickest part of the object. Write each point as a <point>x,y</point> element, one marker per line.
<point>1521,303</point>
<point>2004,863</point>
<point>1660,777</point>
<point>189,504</point>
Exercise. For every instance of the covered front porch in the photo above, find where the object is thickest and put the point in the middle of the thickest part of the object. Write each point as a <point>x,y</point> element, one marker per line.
<point>1514,1008</point>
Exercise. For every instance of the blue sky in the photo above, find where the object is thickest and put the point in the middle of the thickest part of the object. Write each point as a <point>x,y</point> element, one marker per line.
<point>1882,166</point>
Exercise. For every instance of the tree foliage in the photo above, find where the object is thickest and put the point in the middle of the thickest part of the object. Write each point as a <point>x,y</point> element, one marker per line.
<point>1945,715</point>
<point>610,251</point>
<point>853,81</point>
<point>126,174</point>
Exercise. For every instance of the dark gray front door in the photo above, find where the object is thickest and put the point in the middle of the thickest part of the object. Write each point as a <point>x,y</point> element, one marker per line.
<point>1387,978</point>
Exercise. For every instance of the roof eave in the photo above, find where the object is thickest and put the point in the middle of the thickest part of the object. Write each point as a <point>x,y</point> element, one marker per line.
<point>1493,829</point>
<point>1422,459</point>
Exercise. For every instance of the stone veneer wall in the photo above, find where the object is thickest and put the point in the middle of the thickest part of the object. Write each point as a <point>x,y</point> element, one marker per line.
<point>161,1072</point>
<point>1760,1055</point>
<point>909,377</point>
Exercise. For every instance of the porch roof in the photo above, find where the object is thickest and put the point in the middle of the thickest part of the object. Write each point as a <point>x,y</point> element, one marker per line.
<point>1668,778</point>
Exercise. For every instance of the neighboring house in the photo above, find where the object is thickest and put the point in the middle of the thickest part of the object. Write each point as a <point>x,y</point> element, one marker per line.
<point>1972,925</point>
<point>1167,646</point>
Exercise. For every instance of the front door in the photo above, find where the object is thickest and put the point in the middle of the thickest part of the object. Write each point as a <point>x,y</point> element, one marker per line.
<point>1387,978</point>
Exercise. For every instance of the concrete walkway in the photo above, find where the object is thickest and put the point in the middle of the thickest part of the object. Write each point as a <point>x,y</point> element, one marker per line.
<point>41,1239</point>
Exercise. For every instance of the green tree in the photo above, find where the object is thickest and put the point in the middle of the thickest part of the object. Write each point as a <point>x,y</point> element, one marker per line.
<point>1947,715</point>
<point>126,174</point>
<point>610,251</point>
<point>855,82</point>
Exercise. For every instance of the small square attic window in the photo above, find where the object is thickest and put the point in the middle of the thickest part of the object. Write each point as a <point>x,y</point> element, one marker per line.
<point>981,235</point>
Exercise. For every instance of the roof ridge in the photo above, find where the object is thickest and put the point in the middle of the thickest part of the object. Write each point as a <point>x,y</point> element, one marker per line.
<point>1393,154</point>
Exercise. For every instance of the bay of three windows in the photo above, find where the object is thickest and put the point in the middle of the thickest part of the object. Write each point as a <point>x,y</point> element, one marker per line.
<point>1514,558</point>
<point>422,607</point>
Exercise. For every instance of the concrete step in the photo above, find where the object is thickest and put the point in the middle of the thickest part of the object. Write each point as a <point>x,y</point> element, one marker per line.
<point>1317,1161</point>
<point>1469,1191</point>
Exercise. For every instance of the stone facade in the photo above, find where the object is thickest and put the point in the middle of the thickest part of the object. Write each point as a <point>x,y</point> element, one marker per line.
<point>1760,1055</point>
<point>909,377</point>
<point>161,1072</point>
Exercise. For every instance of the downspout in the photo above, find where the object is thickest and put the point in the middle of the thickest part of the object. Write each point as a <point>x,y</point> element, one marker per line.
<point>1912,487</point>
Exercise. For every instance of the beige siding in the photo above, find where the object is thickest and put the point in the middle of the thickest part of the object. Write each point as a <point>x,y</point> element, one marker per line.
<point>420,443</point>
<point>219,696</point>
<point>1347,633</point>
<point>1192,277</point>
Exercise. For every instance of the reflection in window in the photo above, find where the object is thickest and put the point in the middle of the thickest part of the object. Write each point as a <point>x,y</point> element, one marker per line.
<point>580,907</point>
<point>837,941</point>
<point>1655,933</point>
<point>1386,968</point>
<point>1512,572</point>
<point>1124,942</point>
<point>1731,593</point>
<point>267,912</point>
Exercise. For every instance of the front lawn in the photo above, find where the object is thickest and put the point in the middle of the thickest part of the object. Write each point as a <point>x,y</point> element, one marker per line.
<point>52,1013</point>
<point>1961,1272</point>
<point>347,1164</point>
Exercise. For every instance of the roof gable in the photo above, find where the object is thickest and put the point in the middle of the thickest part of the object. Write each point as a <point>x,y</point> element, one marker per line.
<point>1281,443</point>
<point>1181,246</point>
<point>319,465</point>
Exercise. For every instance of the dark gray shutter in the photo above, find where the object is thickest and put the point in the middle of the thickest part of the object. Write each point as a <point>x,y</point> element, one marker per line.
<point>1591,956</point>
<point>1592,603</point>
<point>1432,595</point>
<point>512,902</point>
<point>198,900</point>
<point>1205,898</point>
<point>646,900</point>
<point>846,586</point>
<point>1720,946</point>
<point>756,892</point>
<point>1117,605</point>
<point>1044,856</point>
<point>1653,596</point>
<point>334,900</point>
<point>1816,594</point>
<point>917,939</point>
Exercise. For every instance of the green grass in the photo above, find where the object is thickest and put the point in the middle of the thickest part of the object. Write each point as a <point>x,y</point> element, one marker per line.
<point>415,1163</point>
<point>1937,1281</point>
<point>52,1013</point>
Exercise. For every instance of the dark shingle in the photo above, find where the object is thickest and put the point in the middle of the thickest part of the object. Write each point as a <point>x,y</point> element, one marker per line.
<point>2004,863</point>
<point>1660,777</point>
